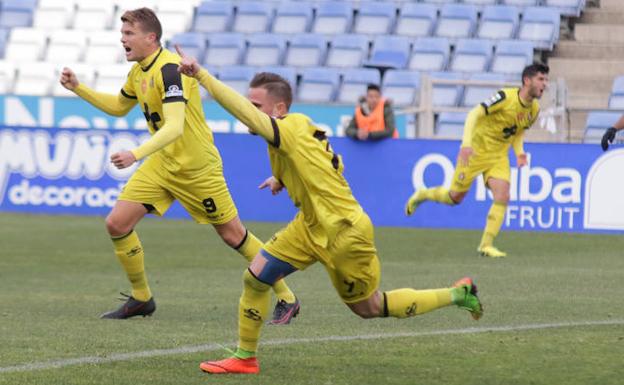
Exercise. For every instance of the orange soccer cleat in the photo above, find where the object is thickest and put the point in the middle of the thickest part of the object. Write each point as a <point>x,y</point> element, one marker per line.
<point>231,365</point>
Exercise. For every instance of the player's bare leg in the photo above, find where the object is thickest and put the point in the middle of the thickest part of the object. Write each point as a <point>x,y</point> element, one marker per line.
<point>238,237</point>
<point>120,224</point>
<point>496,215</point>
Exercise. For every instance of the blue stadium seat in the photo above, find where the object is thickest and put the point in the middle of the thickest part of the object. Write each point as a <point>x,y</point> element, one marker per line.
<point>446,95</point>
<point>213,16</point>
<point>389,51</point>
<point>306,50</point>
<point>511,56</point>
<point>401,86</point>
<point>193,44</point>
<point>474,95</point>
<point>481,2</point>
<point>416,19</point>
<point>498,22</point>
<point>450,125</point>
<point>237,77</point>
<point>567,7</point>
<point>354,82</point>
<point>265,49</point>
<point>318,85</point>
<point>440,1</point>
<point>347,51</point>
<point>4,37</point>
<point>288,73</point>
<point>457,21</point>
<point>375,18</point>
<point>616,99</point>
<point>333,17</point>
<point>293,17</point>
<point>430,54</point>
<point>252,17</point>
<point>17,13</point>
<point>521,3</point>
<point>224,49</point>
<point>597,123</point>
<point>472,55</point>
<point>541,26</point>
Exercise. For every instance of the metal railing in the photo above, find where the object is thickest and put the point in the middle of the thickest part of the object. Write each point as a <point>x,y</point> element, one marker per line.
<point>553,118</point>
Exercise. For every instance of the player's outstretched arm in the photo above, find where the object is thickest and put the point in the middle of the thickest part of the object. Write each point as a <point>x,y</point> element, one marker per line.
<point>117,105</point>
<point>257,121</point>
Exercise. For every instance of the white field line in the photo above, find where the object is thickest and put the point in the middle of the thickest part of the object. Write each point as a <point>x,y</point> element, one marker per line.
<point>114,357</point>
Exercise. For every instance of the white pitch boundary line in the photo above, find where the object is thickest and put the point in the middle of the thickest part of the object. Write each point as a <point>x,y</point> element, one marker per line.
<point>115,357</point>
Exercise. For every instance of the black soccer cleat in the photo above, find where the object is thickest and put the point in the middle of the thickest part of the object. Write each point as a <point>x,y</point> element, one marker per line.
<point>131,308</point>
<point>284,312</point>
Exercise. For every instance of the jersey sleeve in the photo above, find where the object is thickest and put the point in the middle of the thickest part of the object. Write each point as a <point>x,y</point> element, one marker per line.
<point>496,102</point>
<point>173,90</point>
<point>128,88</point>
<point>286,131</point>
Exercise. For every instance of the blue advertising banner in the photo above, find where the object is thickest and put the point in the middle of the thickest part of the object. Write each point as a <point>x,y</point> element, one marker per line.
<point>565,187</point>
<point>34,111</point>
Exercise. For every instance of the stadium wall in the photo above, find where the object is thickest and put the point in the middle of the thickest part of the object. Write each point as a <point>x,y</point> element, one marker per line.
<point>567,187</point>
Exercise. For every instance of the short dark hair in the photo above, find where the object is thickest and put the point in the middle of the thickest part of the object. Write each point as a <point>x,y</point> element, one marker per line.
<point>534,69</point>
<point>146,18</point>
<point>276,86</point>
<point>373,87</point>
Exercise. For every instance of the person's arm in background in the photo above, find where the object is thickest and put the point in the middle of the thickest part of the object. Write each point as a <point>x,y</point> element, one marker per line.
<point>609,135</point>
<point>351,130</point>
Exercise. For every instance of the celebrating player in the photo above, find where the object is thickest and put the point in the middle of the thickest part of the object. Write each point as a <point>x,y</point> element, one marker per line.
<point>490,129</point>
<point>181,161</point>
<point>330,227</point>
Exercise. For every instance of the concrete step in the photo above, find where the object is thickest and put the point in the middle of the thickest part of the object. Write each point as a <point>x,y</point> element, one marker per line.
<point>585,101</point>
<point>612,4</point>
<point>584,50</point>
<point>585,68</point>
<point>602,16</point>
<point>598,85</point>
<point>600,33</point>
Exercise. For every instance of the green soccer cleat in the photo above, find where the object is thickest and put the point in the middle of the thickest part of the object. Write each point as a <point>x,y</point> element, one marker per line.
<point>491,252</point>
<point>470,301</point>
<point>413,202</point>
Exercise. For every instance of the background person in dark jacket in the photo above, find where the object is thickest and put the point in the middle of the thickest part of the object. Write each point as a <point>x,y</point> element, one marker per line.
<point>373,118</point>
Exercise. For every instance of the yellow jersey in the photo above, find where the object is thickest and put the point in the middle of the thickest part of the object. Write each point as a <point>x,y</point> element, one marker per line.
<point>303,161</point>
<point>155,81</point>
<point>505,121</point>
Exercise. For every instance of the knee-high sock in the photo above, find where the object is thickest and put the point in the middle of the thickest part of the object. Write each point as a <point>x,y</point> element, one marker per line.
<point>253,310</point>
<point>130,253</point>
<point>249,248</point>
<point>438,194</point>
<point>494,221</point>
<point>403,303</point>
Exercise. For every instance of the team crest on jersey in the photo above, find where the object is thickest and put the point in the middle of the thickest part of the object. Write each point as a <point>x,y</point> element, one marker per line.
<point>173,91</point>
<point>143,86</point>
<point>461,176</point>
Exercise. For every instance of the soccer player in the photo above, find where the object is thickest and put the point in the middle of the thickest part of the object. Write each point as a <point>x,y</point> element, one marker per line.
<point>330,227</point>
<point>490,128</point>
<point>181,161</point>
<point>609,135</point>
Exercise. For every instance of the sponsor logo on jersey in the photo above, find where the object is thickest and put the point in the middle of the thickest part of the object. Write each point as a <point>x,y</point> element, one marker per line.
<point>173,91</point>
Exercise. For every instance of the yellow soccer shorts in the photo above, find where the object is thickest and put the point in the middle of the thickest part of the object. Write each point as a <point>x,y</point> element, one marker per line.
<point>350,259</point>
<point>204,195</point>
<point>490,167</point>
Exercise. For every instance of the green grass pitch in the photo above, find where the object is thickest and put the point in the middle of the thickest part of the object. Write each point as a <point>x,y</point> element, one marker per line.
<point>57,274</point>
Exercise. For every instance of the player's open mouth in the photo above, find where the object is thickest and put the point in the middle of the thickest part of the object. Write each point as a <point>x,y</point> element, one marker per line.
<point>128,49</point>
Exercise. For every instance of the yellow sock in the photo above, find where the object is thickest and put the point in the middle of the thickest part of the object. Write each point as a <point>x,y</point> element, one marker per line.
<point>494,221</point>
<point>130,253</point>
<point>253,309</point>
<point>438,194</point>
<point>403,303</point>
<point>249,248</point>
